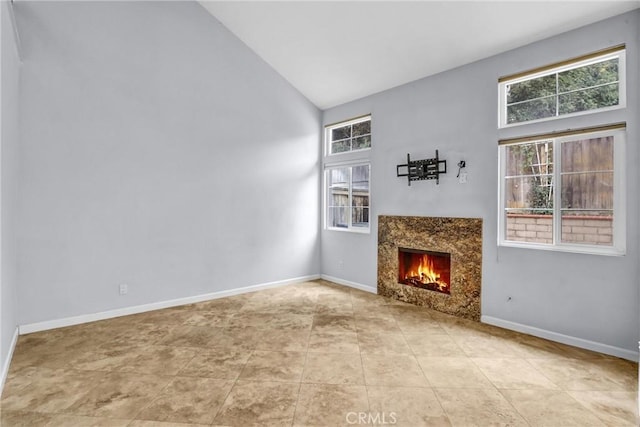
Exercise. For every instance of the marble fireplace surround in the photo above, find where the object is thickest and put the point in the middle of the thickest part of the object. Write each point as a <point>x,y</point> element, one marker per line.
<point>461,237</point>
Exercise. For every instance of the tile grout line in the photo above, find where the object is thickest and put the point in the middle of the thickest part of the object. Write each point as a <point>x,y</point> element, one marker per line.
<point>364,378</point>
<point>304,366</point>
<point>173,377</point>
<point>235,382</point>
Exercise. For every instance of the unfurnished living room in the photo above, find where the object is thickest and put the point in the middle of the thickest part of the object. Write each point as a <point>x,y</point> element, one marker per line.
<point>315,213</point>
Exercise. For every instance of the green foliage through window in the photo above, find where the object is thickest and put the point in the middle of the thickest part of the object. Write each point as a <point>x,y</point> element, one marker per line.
<point>590,86</point>
<point>529,177</point>
<point>350,136</point>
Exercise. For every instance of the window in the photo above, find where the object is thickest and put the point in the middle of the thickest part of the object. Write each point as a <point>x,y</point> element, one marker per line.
<point>590,83</point>
<point>348,197</point>
<point>347,171</point>
<point>564,191</point>
<point>352,135</point>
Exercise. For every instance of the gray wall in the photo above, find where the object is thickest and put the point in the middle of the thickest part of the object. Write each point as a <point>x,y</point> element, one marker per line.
<point>9,190</point>
<point>584,296</point>
<point>160,152</point>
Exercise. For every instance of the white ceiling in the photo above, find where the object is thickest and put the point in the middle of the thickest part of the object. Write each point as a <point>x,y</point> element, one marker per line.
<point>335,52</point>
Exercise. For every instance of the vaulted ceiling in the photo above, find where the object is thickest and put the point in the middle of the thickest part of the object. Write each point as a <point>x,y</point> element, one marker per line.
<point>337,51</point>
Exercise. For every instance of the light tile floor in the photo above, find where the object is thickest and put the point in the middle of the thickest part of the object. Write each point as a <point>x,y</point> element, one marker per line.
<point>313,354</point>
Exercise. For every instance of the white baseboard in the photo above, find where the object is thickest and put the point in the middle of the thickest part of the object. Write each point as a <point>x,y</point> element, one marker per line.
<point>7,362</point>
<point>85,318</point>
<point>561,338</point>
<point>349,283</point>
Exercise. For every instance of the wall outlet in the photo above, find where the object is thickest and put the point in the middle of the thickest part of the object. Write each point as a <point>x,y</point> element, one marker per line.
<point>462,179</point>
<point>124,288</point>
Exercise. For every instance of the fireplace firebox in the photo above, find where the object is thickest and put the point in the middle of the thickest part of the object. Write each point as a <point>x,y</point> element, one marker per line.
<point>425,269</point>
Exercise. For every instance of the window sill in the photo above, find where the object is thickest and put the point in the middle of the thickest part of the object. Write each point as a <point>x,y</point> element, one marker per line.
<point>350,230</point>
<point>582,249</point>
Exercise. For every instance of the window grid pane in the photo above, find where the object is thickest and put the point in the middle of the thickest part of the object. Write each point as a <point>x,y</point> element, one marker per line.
<point>591,75</point>
<point>531,89</point>
<point>529,226</point>
<point>587,227</point>
<point>529,192</point>
<point>587,87</point>
<point>587,185</point>
<point>348,197</point>
<point>350,137</point>
<point>532,110</point>
<point>589,99</point>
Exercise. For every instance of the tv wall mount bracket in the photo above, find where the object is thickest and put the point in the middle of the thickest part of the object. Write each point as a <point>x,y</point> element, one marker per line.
<point>418,170</point>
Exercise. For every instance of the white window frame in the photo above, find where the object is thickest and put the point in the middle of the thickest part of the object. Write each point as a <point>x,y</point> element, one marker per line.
<point>360,157</point>
<point>330,128</point>
<point>350,227</point>
<point>619,198</point>
<point>622,78</point>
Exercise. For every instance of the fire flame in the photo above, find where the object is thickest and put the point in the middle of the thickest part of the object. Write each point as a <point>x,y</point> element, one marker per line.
<point>426,273</point>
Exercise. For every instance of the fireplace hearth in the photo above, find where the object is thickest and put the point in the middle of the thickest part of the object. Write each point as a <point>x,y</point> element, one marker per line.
<point>434,262</point>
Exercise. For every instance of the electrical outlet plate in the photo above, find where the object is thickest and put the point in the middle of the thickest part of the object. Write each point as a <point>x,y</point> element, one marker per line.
<point>462,179</point>
<point>123,289</point>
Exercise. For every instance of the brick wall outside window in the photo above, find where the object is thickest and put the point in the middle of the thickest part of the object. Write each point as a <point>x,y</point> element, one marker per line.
<point>592,230</point>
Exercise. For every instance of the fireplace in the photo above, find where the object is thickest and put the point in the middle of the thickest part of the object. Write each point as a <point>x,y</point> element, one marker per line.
<point>410,246</point>
<point>425,269</point>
